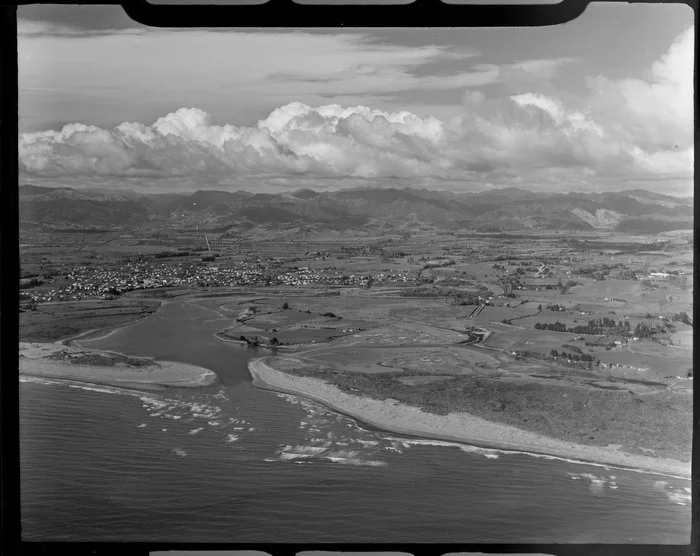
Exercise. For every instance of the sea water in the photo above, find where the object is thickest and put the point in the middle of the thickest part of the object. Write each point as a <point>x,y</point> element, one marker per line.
<point>231,463</point>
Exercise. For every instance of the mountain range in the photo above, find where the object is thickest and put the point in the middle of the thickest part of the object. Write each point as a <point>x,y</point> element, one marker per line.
<point>632,211</point>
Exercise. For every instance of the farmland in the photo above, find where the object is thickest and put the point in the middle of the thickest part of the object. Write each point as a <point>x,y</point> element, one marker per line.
<point>499,325</point>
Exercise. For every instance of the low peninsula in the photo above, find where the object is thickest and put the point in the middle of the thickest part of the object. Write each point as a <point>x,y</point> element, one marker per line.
<point>291,375</point>
<point>58,361</point>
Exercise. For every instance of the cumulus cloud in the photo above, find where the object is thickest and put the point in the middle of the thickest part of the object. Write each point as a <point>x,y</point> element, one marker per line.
<point>626,129</point>
<point>656,112</point>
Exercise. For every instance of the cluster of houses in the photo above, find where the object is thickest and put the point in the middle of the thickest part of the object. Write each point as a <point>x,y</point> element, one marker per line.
<point>104,281</point>
<point>305,276</point>
<point>108,281</point>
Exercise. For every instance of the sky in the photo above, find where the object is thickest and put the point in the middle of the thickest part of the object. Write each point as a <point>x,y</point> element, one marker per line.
<point>604,102</point>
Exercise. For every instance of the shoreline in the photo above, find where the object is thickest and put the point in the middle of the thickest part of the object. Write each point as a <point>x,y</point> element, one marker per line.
<point>34,362</point>
<point>73,340</point>
<point>461,428</point>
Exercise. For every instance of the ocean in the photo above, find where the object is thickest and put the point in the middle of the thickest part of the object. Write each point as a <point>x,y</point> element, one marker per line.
<point>231,463</point>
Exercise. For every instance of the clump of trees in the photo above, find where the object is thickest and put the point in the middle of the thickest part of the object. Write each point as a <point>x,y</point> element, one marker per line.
<point>254,341</point>
<point>466,300</point>
<point>30,283</point>
<point>643,330</point>
<point>168,254</point>
<point>564,287</point>
<point>572,356</point>
<point>554,326</point>
<point>682,317</point>
<point>440,264</point>
<point>600,326</point>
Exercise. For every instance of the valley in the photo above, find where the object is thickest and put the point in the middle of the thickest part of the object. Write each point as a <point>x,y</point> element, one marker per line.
<point>581,335</point>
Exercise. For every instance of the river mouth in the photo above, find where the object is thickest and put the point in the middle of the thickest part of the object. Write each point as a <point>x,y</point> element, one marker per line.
<point>180,330</point>
<point>273,466</point>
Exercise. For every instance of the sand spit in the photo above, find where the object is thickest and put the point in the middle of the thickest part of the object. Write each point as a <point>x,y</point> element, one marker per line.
<point>457,427</point>
<point>40,360</point>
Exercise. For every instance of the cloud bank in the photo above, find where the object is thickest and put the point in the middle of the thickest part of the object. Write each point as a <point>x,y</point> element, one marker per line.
<point>632,129</point>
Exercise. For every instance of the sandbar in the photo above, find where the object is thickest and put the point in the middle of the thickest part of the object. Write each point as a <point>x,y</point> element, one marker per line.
<point>56,360</point>
<point>397,417</point>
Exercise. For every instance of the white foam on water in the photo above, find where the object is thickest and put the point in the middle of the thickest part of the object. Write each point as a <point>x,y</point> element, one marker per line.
<point>322,449</point>
<point>288,397</point>
<point>86,386</point>
<point>179,452</point>
<point>284,456</point>
<point>466,448</point>
<point>291,452</point>
<point>142,425</point>
<point>676,495</point>
<point>159,406</point>
<point>343,454</point>
<point>345,457</point>
<point>680,498</point>
<point>371,443</point>
<point>320,440</point>
<point>597,485</point>
<point>36,380</point>
<point>406,443</point>
<point>231,438</point>
<point>313,450</point>
<point>100,389</point>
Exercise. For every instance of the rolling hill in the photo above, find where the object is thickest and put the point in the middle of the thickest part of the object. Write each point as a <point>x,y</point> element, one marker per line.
<point>633,211</point>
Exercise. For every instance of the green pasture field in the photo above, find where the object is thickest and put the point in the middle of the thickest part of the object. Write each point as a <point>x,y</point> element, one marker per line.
<point>445,360</point>
<point>684,339</point>
<point>658,366</point>
<point>405,334</point>
<point>51,322</point>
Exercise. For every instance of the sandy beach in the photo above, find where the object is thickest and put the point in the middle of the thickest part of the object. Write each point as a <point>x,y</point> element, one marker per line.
<point>39,360</point>
<point>393,416</point>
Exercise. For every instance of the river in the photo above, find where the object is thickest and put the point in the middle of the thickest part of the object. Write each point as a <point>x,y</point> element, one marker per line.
<point>232,463</point>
